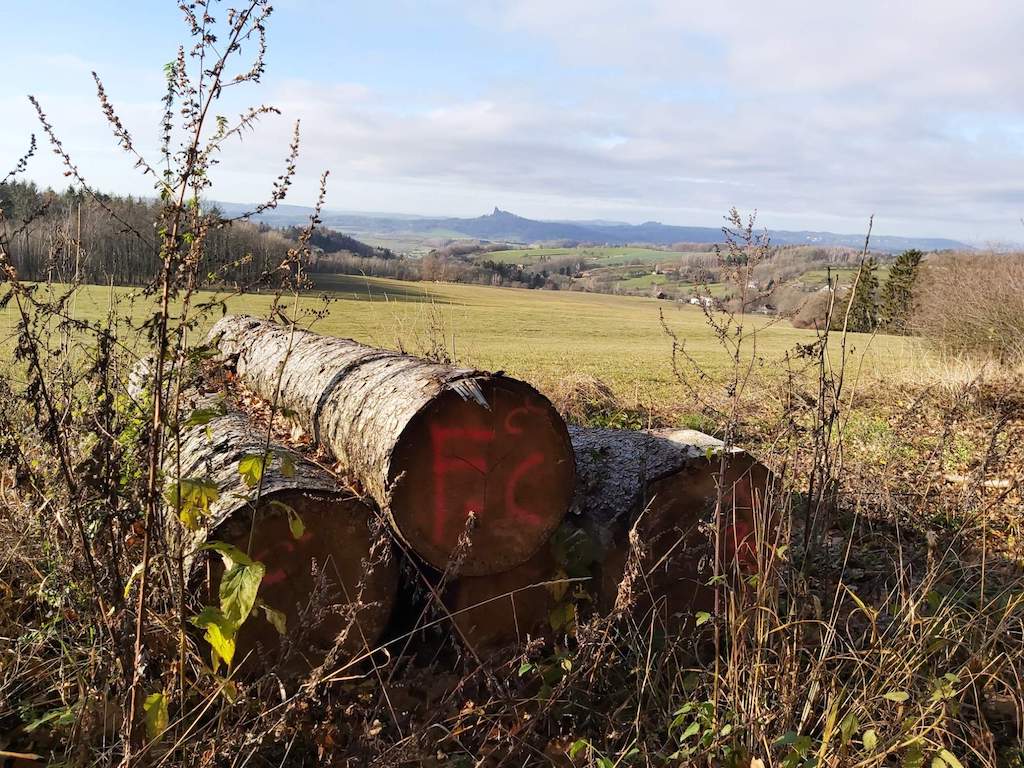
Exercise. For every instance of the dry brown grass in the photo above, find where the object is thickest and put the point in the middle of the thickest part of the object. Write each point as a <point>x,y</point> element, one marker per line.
<point>973,304</point>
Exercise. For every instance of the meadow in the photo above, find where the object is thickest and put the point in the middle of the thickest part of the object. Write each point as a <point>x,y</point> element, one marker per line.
<point>598,256</point>
<point>541,336</point>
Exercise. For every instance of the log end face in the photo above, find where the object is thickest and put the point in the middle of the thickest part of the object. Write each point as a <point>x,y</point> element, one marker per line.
<point>510,464</point>
<point>505,609</point>
<point>312,576</point>
<point>677,533</point>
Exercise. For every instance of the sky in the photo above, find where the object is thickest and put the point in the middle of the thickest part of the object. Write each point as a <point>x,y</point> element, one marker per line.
<point>817,115</point>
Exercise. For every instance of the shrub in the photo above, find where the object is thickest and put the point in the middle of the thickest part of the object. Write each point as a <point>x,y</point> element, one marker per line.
<point>973,304</point>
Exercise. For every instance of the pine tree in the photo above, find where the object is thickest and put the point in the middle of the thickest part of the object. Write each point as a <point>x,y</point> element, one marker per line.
<point>864,304</point>
<point>898,294</point>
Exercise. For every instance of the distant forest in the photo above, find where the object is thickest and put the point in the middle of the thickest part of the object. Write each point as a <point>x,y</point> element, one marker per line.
<point>107,238</point>
<point>71,235</point>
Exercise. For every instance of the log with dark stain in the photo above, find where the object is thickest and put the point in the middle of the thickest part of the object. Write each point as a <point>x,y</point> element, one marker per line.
<point>431,444</point>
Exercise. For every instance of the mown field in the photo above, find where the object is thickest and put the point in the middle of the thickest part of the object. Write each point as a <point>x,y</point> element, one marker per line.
<point>542,336</point>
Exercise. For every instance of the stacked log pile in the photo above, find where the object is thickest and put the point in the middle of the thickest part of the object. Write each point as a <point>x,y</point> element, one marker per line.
<point>227,483</point>
<point>430,444</point>
<point>481,482</point>
<point>660,496</point>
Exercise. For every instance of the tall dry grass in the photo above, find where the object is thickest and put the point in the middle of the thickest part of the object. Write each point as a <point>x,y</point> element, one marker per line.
<point>973,304</point>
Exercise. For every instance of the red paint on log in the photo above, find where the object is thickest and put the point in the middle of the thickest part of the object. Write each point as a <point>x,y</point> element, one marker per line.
<point>509,464</point>
<point>337,541</point>
<point>428,442</point>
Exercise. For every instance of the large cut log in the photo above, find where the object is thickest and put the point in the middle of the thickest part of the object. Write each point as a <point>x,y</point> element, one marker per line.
<point>326,569</point>
<point>431,444</point>
<point>661,486</point>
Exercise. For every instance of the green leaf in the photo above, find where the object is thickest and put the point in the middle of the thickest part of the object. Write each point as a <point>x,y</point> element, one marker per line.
<point>136,572</point>
<point>562,616</point>
<point>578,746</point>
<point>231,554</point>
<point>220,634</point>
<point>913,757</point>
<point>251,467</point>
<point>201,416</point>
<point>604,762</point>
<point>525,668</point>
<point>295,525</point>
<point>870,739</point>
<point>64,716</point>
<point>287,465</point>
<point>574,550</point>
<point>897,696</point>
<point>786,739</point>
<point>155,707</point>
<point>238,589</point>
<point>191,498</point>
<point>950,759</point>
<point>848,727</point>
<point>691,730</point>
<point>275,617</point>
<point>703,617</point>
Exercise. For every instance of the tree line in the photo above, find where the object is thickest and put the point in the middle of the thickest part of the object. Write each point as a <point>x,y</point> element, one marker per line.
<point>99,238</point>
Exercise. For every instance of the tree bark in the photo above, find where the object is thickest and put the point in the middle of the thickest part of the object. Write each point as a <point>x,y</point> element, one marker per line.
<point>431,444</point>
<point>316,541</point>
<point>660,488</point>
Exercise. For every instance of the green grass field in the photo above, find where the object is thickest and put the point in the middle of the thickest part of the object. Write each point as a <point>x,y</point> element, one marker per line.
<point>542,336</point>
<point>845,275</point>
<point>598,256</point>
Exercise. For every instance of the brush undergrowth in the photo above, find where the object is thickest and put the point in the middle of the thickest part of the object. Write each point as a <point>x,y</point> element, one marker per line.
<point>883,626</point>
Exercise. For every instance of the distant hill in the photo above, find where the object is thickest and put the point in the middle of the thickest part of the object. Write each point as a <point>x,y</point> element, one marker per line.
<point>503,226</point>
<point>332,241</point>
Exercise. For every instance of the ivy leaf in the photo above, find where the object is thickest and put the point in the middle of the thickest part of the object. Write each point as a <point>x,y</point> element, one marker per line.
<point>251,467</point>
<point>220,634</point>
<point>155,707</point>
<point>703,617</point>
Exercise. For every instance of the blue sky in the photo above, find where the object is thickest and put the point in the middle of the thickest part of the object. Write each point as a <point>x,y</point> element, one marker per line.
<point>818,115</point>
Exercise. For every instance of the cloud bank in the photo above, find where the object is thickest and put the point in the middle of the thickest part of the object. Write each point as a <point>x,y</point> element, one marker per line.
<point>816,114</point>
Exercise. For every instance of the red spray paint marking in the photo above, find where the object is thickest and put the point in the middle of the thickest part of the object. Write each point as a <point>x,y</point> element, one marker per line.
<point>442,438</point>
<point>511,504</point>
<point>739,546</point>
<point>278,575</point>
<point>444,465</point>
<point>510,427</point>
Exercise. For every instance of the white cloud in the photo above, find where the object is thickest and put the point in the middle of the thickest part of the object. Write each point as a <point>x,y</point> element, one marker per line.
<point>819,114</point>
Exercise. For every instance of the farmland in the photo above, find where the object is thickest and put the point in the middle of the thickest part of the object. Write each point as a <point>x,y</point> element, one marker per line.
<point>602,256</point>
<point>538,335</point>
